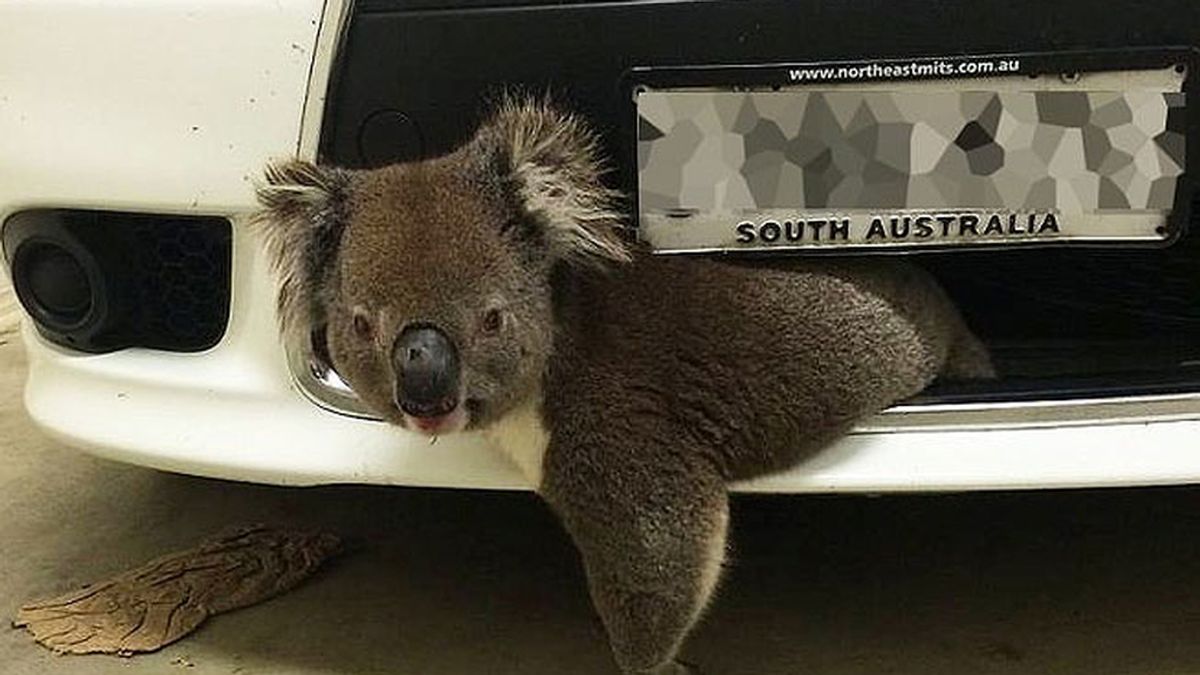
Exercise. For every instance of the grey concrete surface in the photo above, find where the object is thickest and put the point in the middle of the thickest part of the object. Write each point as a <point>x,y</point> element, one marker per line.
<point>457,583</point>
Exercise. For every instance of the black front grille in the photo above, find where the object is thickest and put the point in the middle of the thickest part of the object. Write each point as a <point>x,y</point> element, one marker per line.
<point>1047,313</point>
<point>1062,292</point>
<point>156,281</point>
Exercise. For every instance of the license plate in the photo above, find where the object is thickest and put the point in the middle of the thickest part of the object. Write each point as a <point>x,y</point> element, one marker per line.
<point>973,152</point>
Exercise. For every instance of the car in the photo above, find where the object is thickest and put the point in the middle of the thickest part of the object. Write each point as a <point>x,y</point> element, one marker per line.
<point>133,135</point>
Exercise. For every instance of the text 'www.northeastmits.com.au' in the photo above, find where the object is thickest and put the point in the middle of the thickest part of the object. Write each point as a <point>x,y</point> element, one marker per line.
<point>872,71</point>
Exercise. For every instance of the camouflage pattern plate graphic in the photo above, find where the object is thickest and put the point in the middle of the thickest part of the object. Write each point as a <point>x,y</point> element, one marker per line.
<point>977,162</point>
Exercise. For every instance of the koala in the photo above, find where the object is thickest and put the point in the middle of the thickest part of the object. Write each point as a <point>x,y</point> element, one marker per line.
<point>492,289</point>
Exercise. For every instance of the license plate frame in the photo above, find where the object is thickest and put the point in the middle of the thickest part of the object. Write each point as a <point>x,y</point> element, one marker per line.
<point>677,216</point>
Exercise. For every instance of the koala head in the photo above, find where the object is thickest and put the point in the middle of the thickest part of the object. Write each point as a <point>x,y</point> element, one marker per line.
<point>431,280</point>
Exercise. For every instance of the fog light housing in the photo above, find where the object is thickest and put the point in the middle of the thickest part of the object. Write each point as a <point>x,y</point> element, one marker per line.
<point>98,281</point>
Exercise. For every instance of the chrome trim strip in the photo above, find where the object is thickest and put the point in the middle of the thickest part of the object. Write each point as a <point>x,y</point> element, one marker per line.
<point>318,382</point>
<point>1034,414</point>
<point>335,22</point>
<point>322,385</point>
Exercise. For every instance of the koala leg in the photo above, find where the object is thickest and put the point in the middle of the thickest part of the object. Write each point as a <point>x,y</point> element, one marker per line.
<point>650,526</point>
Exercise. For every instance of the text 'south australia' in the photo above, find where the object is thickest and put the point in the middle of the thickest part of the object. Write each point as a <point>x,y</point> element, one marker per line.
<point>910,228</point>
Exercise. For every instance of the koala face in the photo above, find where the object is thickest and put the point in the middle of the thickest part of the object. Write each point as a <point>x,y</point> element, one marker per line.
<point>439,317</point>
<point>431,280</point>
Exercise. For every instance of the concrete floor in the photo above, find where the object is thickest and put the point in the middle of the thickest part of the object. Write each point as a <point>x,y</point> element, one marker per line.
<point>438,582</point>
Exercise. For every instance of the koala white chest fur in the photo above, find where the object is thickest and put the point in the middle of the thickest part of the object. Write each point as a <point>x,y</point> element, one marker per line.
<point>523,438</point>
<point>490,290</point>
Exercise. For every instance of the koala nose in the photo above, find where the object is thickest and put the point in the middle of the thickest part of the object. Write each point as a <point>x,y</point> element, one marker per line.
<point>427,372</point>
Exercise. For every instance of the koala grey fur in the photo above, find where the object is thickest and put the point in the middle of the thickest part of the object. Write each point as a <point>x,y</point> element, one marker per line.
<point>630,388</point>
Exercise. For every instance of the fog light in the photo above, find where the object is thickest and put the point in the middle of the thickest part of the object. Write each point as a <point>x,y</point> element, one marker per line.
<point>53,285</point>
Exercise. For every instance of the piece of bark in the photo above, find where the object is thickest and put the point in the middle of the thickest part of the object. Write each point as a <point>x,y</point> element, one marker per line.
<point>154,605</point>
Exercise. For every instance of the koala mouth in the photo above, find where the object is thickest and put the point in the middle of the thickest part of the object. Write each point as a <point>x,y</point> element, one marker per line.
<point>438,425</point>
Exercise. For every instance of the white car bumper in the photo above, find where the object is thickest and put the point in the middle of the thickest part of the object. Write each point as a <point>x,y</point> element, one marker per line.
<point>174,107</point>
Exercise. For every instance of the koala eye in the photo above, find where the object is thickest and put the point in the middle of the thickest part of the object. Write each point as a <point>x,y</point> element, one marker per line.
<point>362,325</point>
<point>493,320</point>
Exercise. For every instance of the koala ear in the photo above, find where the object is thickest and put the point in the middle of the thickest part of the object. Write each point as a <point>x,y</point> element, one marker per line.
<point>551,159</point>
<point>302,219</point>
